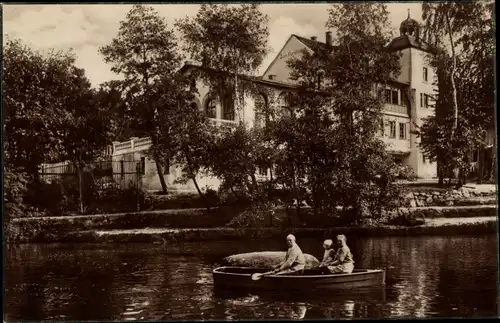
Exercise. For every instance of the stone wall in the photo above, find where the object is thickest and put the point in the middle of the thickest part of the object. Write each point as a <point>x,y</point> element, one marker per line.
<point>461,197</point>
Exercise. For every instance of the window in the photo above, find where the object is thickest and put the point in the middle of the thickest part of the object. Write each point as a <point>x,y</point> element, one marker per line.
<point>392,125</point>
<point>284,105</point>
<point>402,130</point>
<point>475,156</point>
<point>424,160</point>
<point>260,111</point>
<point>395,97</point>
<point>382,128</point>
<point>228,108</point>
<point>388,94</point>
<point>211,108</point>
<point>391,96</point>
<point>426,74</point>
<point>421,100</point>
<point>262,171</point>
<point>426,101</point>
<point>122,168</point>
<point>143,165</point>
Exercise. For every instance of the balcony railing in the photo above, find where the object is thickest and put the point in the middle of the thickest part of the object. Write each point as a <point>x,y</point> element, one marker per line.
<point>224,123</point>
<point>132,144</point>
<point>396,109</point>
<point>396,145</point>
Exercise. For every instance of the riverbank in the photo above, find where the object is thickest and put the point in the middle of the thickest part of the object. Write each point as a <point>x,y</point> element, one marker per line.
<point>162,226</point>
<point>455,226</point>
<point>189,224</point>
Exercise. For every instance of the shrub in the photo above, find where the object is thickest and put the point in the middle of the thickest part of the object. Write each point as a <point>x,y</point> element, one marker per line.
<point>257,216</point>
<point>15,187</point>
<point>406,172</point>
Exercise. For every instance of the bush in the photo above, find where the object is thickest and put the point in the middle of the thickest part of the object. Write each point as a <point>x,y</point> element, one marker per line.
<point>15,187</point>
<point>257,216</point>
<point>115,200</point>
<point>405,172</point>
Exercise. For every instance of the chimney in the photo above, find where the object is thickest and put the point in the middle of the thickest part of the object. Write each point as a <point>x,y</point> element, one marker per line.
<point>314,38</point>
<point>328,37</point>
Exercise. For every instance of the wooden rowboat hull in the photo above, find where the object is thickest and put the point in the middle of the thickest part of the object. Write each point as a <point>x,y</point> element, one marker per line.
<point>240,277</point>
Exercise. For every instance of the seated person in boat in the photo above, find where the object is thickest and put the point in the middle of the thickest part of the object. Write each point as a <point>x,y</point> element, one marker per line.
<point>294,261</point>
<point>328,256</point>
<point>343,262</point>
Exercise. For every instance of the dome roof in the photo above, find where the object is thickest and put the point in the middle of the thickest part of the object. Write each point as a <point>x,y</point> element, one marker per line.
<point>409,26</point>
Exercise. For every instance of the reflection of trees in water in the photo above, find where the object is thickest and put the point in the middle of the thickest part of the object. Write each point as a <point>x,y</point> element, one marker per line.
<point>361,303</point>
<point>473,266</point>
<point>252,307</point>
<point>416,271</point>
<point>55,284</point>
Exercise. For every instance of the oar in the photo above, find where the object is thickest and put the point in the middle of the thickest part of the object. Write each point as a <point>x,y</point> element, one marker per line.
<point>258,276</point>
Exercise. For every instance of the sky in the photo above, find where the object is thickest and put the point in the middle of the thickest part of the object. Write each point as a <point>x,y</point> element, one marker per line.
<point>84,28</point>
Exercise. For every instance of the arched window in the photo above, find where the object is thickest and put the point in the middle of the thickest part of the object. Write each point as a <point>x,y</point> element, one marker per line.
<point>284,105</point>
<point>228,108</point>
<point>211,108</point>
<point>260,110</point>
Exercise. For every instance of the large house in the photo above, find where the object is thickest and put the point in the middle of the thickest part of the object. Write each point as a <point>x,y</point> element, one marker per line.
<point>408,101</point>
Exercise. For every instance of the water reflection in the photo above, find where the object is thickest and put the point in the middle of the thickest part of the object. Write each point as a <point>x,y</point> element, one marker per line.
<point>152,282</point>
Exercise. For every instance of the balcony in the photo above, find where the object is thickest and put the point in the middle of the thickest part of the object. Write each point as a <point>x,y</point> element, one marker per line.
<point>134,144</point>
<point>396,145</point>
<point>231,124</point>
<point>395,108</point>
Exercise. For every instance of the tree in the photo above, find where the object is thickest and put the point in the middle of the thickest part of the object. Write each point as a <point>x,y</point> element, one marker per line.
<point>184,132</point>
<point>234,160</point>
<point>33,92</point>
<point>465,81</point>
<point>228,41</point>
<point>144,52</point>
<point>111,98</point>
<point>336,113</point>
<point>86,126</point>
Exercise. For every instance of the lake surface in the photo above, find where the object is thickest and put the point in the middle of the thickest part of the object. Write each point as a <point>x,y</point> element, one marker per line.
<point>426,277</point>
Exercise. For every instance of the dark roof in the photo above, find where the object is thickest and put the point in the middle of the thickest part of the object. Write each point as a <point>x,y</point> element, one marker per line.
<point>312,44</point>
<point>407,41</point>
<point>258,79</point>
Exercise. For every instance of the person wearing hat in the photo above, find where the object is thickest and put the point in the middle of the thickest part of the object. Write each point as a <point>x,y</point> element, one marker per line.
<point>328,256</point>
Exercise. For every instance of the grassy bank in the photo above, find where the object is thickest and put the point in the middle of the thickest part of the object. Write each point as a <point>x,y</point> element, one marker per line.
<point>477,226</point>
<point>444,226</point>
<point>199,224</point>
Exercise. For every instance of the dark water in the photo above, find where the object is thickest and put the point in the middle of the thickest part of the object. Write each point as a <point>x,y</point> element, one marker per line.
<point>426,276</point>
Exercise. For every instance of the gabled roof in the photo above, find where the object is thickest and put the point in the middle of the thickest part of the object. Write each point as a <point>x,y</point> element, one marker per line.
<point>407,41</point>
<point>312,44</point>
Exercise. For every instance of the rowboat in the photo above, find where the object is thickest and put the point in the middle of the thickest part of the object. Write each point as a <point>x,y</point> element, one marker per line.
<point>311,279</point>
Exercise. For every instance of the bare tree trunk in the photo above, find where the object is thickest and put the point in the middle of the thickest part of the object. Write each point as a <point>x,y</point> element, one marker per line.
<point>295,189</point>
<point>161,177</point>
<point>493,173</point>
<point>440,174</point>
<point>480,166</point>
<point>80,188</point>
<point>270,186</point>
<point>452,79</point>
<point>207,205</point>
<point>254,182</point>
